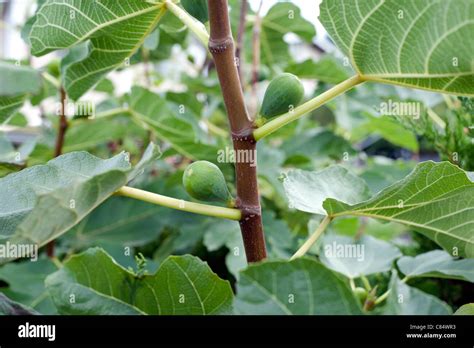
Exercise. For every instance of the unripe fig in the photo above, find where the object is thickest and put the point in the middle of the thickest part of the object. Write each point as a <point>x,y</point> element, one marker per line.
<point>285,91</point>
<point>361,293</point>
<point>204,181</point>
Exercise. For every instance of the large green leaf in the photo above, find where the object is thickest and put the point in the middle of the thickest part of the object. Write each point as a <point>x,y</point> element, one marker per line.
<point>353,258</point>
<point>381,172</point>
<point>392,131</point>
<point>405,300</point>
<point>421,44</point>
<point>10,154</point>
<point>316,143</point>
<point>301,286</point>
<point>325,70</point>
<point>155,113</point>
<point>270,162</point>
<point>17,79</point>
<point>307,191</point>
<point>65,189</point>
<point>119,221</point>
<point>87,134</point>
<point>436,199</point>
<point>197,9</point>
<point>99,286</point>
<point>115,30</point>
<point>17,82</point>
<point>227,233</point>
<point>281,19</point>
<point>26,283</point>
<point>8,105</point>
<point>437,264</point>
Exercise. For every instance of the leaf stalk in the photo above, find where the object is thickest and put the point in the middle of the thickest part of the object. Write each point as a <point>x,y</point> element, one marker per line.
<point>192,23</point>
<point>313,238</point>
<point>179,204</point>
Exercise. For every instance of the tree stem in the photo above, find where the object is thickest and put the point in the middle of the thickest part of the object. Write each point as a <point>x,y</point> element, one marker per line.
<point>179,204</point>
<point>192,23</point>
<point>310,105</point>
<point>313,238</point>
<point>62,127</point>
<point>221,46</point>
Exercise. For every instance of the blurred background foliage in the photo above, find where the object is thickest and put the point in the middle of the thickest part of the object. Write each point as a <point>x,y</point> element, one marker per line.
<point>179,77</point>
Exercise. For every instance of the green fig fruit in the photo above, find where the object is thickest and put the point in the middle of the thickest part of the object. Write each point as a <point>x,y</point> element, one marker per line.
<point>285,91</point>
<point>204,181</point>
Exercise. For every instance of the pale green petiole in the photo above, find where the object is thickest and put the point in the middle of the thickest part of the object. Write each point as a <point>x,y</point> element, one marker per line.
<point>192,23</point>
<point>313,238</point>
<point>51,79</point>
<point>179,204</point>
<point>309,106</point>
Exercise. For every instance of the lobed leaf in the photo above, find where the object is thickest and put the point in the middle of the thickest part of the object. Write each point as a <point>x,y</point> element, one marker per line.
<point>302,286</point>
<point>436,199</point>
<point>155,113</point>
<point>282,18</point>
<point>113,29</point>
<point>25,282</point>
<point>325,70</point>
<point>17,79</point>
<point>17,82</point>
<point>437,264</point>
<point>405,300</point>
<point>183,285</point>
<point>65,189</point>
<point>307,191</point>
<point>420,44</point>
<point>363,257</point>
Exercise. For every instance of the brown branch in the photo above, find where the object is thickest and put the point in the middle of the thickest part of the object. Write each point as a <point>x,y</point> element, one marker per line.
<point>221,45</point>
<point>62,127</point>
<point>240,40</point>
